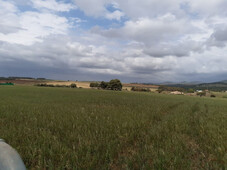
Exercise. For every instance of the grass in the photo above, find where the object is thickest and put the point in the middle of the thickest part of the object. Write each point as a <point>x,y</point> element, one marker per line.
<point>60,128</point>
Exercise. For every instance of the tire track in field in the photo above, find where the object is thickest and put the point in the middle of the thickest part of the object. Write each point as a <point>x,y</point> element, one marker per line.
<point>170,108</point>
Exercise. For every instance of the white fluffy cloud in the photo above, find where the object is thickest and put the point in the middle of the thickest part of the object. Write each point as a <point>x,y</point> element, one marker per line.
<point>8,20</point>
<point>98,9</point>
<point>115,15</point>
<point>93,8</point>
<point>53,5</point>
<point>29,26</point>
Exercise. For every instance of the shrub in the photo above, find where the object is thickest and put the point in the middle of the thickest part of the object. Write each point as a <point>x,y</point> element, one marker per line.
<point>140,89</point>
<point>104,85</point>
<point>41,84</point>
<point>50,85</point>
<point>73,85</point>
<point>94,84</point>
<point>115,84</point>
<point>167,88</point>
<point>190,91</point>
<point>203,93</point>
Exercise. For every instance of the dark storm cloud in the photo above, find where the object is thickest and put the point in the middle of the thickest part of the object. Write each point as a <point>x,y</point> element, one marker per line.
<point>218,38</point>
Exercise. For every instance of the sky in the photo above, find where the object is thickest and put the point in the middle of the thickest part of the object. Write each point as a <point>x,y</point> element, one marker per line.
<point>132,40</point>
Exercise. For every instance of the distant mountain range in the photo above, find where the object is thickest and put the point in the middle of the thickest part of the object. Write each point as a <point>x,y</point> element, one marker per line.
<point>184,82</point>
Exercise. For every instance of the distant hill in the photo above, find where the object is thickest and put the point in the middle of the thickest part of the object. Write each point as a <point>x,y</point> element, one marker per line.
<point>15,78</point>
<point>213,86</point>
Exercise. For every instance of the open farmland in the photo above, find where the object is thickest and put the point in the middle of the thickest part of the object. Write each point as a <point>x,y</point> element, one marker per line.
<point>82,84</point>
<point>63,128</point>
<point>86,84</point>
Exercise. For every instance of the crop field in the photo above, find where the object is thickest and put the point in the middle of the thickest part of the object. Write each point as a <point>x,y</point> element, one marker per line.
<point>63,128</point>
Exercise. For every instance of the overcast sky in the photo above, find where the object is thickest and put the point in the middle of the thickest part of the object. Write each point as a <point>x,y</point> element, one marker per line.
<point>133,40</point>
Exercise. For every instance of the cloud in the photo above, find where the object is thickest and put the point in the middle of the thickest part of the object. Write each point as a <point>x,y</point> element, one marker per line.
<point>182,49</point>
<point>63,55</point>
<point>146,30</point>
<point>153,41</point>
<point>29,26</point>
<point>218,38</point>
<point>152,8</point>
<point>53,5</point>
<point>93,8</point>
<point>115,15</point>
<point>99,9</point>
<point>8,20</point>
<point>214,7</point>
<point>163,36</point>
<point>221,34</point>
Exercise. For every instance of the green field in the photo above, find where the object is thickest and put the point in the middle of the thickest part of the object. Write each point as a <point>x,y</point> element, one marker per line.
<point>63,128</point>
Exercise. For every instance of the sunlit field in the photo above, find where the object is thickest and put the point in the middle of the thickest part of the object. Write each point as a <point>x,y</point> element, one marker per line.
<point>63,128</point>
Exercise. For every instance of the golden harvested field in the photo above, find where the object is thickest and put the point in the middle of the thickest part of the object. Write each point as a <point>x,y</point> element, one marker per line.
<point>85,85</point>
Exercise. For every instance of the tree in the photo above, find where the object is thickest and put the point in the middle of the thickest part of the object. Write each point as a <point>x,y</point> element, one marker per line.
<point>212,95</point>
<point>104,85</point>
<point>191,90</point>
<point>203,93</point>
<point>73,85</point>
<point>140,89</point>
<point>162,88</point>
<point>115,84</point>
<point>94,84</point>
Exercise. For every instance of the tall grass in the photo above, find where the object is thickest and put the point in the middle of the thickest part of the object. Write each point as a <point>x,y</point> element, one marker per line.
<point>54,128</point>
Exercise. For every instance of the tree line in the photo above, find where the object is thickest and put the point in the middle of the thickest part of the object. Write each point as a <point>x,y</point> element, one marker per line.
<point>73,85</point>
<point>114,84</point>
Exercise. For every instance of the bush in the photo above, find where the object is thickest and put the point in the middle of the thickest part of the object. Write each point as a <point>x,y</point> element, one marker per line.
<point>45,85</point>
<point>50,85</point>
<point>73,85</point>
<point>94,84</point>
<point>140,89</point>
<point>190,91</point>
<point>104,85</point>
<point>115,84</point>
<point>212,95</point>
<point>41,84</point>
<point>167,88</point>
<point>203,93</point>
